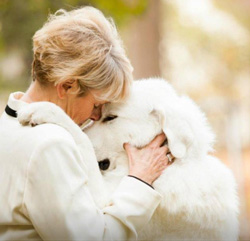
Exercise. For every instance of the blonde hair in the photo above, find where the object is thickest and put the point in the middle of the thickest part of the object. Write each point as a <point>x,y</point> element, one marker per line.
<point>82,45</point>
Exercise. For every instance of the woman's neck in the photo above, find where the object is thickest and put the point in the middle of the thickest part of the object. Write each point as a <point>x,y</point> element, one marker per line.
<point>37,93</point>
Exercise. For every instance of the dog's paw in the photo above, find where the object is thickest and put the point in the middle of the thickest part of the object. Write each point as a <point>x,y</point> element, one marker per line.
<point>38,113</point>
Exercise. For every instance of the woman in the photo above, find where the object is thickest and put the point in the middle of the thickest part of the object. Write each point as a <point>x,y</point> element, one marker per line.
<point>79,64</point>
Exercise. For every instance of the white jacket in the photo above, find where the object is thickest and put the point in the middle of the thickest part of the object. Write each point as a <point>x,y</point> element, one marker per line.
<point>44,192</point>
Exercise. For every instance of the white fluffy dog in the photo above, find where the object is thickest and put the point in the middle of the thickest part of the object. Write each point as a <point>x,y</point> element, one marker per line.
<point>199,192</point>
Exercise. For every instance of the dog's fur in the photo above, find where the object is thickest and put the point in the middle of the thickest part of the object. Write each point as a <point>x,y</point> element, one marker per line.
<point>199,192</point>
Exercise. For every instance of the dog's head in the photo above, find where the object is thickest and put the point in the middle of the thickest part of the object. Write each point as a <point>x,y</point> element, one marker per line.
<point>152,107</point>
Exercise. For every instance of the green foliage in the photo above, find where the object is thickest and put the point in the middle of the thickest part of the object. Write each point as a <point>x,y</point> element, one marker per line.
<point>20,19</point>
<point>121,10</point>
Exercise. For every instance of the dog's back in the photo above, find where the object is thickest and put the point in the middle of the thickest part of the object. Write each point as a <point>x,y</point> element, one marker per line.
<point>199,203</point>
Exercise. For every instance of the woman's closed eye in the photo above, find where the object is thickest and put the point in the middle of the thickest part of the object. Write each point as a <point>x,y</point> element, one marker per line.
<point>109,118</point>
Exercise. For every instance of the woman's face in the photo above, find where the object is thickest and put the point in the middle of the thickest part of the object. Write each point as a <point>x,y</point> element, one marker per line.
<point>83,108</point>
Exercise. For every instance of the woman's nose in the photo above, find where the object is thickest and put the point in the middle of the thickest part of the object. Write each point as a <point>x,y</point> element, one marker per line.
<point>96,114</point>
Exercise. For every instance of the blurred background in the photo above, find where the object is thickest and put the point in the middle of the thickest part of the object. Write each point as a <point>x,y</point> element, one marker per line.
<point>202,47</point>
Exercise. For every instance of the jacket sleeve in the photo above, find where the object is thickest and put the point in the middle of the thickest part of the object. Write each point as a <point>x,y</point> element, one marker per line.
<point>58,202</point>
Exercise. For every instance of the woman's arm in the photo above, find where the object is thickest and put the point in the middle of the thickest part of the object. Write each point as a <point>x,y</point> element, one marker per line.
<point>58,202</point>
<point>45,112</point>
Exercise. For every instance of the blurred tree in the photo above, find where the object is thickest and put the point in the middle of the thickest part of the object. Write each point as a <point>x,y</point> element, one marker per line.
<point>142,39</point>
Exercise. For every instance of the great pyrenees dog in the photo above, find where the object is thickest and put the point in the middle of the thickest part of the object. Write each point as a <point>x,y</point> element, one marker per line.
<point>200,200</point>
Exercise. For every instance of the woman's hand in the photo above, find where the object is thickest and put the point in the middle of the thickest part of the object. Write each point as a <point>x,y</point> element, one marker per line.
<point>148,162</point>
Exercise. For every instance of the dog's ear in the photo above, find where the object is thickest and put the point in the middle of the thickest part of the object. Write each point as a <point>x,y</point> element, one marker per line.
<point>176,129</point>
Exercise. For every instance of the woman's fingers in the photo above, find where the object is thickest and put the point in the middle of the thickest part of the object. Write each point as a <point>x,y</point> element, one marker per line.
<point>164,149</point>
<point>149,162</point>
<point>158,140</point>
<point>127,147</point>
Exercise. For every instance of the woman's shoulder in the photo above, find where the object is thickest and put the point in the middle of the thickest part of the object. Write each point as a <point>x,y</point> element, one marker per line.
<point>45,133</point>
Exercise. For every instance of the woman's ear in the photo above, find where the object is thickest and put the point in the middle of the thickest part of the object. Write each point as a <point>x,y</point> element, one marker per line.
<point>177,131</point>
<point>65,88</point>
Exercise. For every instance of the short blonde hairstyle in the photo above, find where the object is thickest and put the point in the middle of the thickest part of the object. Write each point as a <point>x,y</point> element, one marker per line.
<point>82,45</point>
